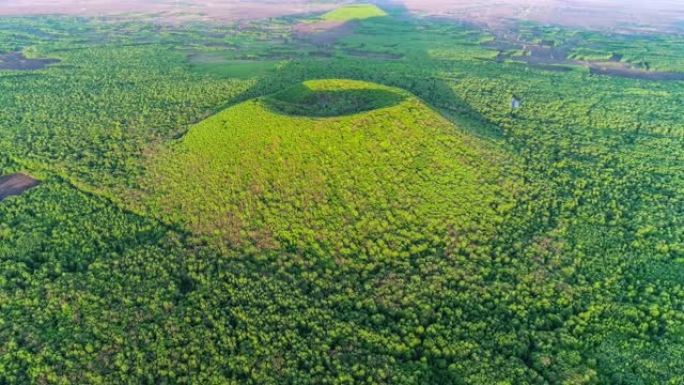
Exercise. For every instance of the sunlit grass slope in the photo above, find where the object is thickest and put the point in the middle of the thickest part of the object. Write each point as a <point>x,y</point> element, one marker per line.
<point>393,181</point>
<point>354,12</point>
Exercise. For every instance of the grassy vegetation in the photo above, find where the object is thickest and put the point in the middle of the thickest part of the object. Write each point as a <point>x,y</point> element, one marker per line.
<point>652,52</point>
<point>238,224</point>
<point>346,186</point>
<point>230,68</point>
<point>354,12</point>
<point>586,54</point>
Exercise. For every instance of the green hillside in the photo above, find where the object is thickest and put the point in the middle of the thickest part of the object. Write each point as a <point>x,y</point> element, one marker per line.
<point>388,182</point>
<point>354,12</point>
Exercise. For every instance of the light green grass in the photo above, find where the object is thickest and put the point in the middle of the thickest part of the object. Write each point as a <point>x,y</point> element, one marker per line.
<point>354,12</point>
<point>219,65</point>
<point>587,54</point>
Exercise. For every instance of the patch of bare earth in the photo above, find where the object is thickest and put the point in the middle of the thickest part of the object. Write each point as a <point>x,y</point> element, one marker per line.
<point>16,184</point>
<point>17,61</point>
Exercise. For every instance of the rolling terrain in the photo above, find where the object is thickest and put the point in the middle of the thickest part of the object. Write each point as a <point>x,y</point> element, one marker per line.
<point>338,195</point>
<point>332,168</point>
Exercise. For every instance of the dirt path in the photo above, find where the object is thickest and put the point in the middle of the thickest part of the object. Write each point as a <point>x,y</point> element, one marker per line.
<point>16,184</point>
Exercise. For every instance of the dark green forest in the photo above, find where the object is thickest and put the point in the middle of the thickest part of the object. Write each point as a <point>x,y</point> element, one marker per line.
<point>407,200</point>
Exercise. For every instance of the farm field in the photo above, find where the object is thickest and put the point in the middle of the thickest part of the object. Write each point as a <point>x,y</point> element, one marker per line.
<point>326,193</point>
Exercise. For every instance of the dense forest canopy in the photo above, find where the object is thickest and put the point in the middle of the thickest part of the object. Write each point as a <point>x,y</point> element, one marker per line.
<point>340,195</point>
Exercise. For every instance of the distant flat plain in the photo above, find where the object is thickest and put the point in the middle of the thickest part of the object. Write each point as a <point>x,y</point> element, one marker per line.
<point>601,14</point>
<point>169,10</point>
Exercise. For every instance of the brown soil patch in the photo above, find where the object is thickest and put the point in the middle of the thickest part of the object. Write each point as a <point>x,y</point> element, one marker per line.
<point>17,61</point>
<point>16,184</point>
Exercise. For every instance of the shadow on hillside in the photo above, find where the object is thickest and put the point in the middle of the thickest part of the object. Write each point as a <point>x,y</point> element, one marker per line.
<point>301,100</point>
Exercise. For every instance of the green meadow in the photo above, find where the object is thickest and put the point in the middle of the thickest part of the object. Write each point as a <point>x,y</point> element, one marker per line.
<point>354,12</point>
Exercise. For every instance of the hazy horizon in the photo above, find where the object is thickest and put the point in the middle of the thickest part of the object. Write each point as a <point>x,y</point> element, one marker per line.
<point>657,14</point>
